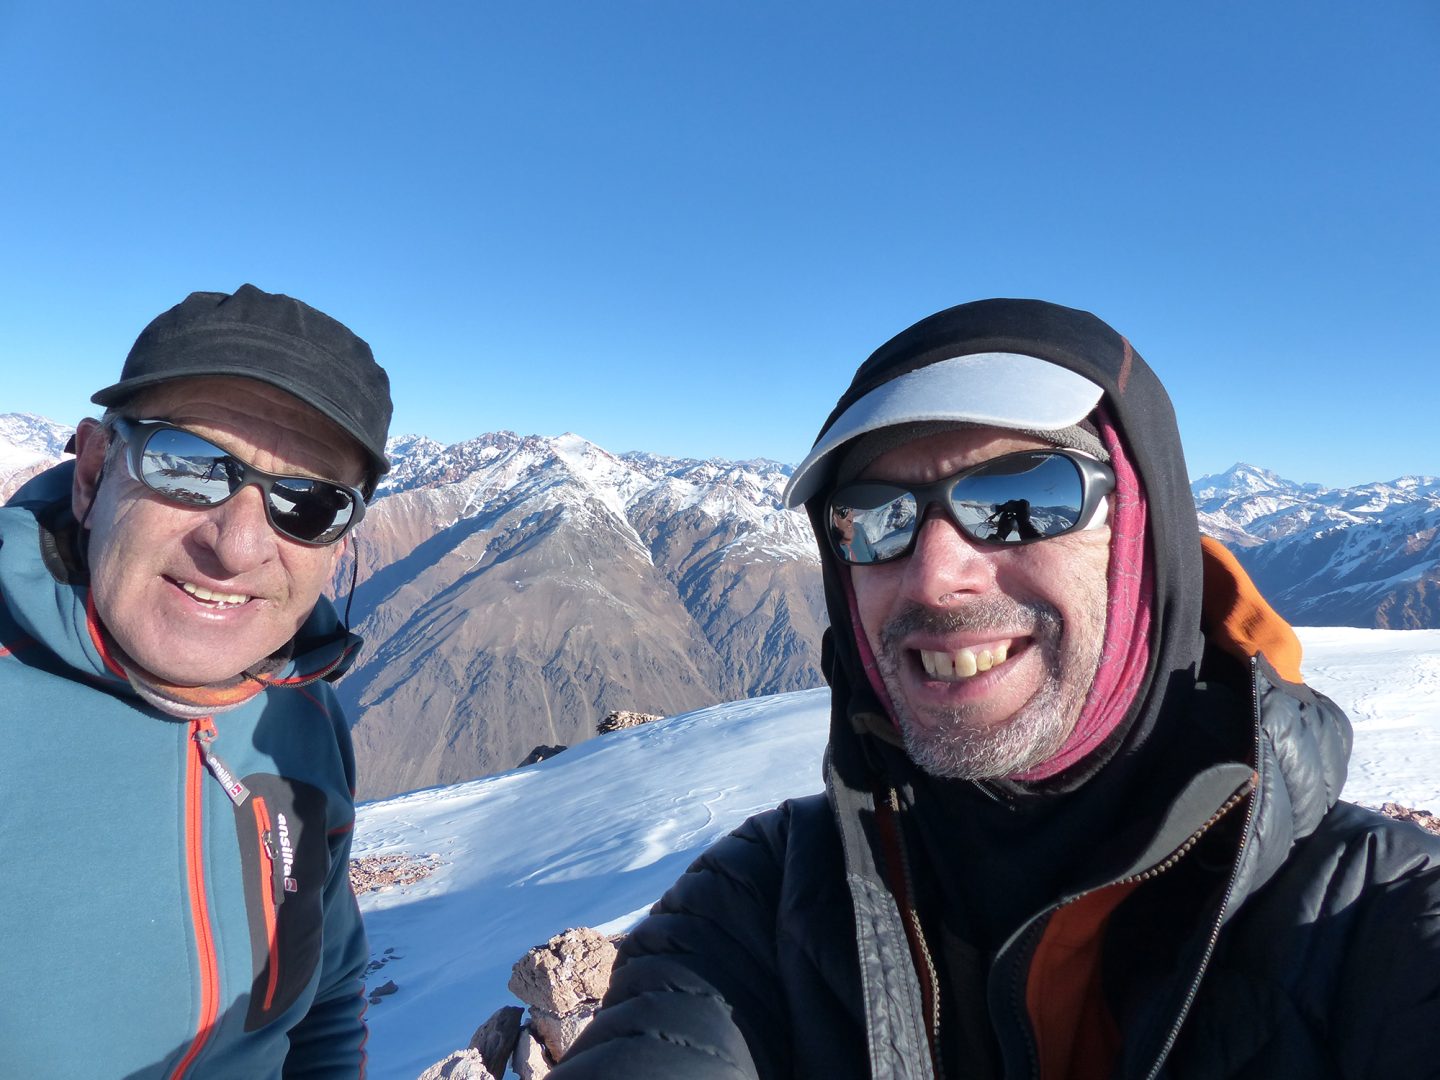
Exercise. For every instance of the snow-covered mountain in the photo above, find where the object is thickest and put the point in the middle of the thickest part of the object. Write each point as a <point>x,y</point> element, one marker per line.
<point>1359,556</point>
<point>593,836</point>
<point>29,444</point>
<point>515,589</point>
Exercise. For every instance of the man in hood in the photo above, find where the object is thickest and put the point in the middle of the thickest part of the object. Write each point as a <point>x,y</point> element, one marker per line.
<point>1081,814</point>
<point>177,775</point>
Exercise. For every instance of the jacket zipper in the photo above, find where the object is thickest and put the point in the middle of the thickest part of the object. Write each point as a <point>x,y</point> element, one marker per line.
<point>920,944</point>
<point>1229,892</point>
<point>269,898</point>
<point>201,731</point>
<point>1036,929</point>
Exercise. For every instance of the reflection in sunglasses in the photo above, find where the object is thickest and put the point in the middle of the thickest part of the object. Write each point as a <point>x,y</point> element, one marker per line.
<point>188,469</point>
<point>1006,501</point>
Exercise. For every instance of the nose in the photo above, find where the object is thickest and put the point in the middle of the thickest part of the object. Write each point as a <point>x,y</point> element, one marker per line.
<point>945,564</point>
<point>238,532</point>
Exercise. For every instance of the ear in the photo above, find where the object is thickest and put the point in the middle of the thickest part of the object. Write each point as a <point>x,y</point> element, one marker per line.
<point>91,443</point>
<point>337,554</point>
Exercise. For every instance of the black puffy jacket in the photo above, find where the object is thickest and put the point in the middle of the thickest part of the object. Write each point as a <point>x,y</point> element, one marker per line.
<point>1230,918</point>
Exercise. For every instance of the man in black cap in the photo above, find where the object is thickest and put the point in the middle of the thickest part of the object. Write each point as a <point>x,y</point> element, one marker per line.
<point>177,776</point>
<point>1081,816</point>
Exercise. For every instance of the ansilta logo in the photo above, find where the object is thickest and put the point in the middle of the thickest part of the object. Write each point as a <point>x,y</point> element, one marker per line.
<point>287,852</point>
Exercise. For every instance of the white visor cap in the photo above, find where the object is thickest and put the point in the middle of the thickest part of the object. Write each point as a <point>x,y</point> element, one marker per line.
<point>1004,390</point>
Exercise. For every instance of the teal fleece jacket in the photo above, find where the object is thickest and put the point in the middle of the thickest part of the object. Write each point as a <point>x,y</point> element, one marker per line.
<point>178,900</point>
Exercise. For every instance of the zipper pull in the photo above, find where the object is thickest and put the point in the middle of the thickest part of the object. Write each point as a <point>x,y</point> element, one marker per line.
<point>205,735</point>
<point>277,874</point>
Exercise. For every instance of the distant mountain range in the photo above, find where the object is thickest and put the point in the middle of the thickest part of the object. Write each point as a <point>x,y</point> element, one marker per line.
<point>1365,556</point>
<point>514,589</point>
<point>29,445</point>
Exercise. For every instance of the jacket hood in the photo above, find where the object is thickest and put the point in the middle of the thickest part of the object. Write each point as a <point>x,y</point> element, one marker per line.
<point>48,598</point>
<point>1139,408</point>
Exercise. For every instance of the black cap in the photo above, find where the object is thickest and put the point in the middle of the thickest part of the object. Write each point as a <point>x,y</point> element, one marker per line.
<point>274,339</point>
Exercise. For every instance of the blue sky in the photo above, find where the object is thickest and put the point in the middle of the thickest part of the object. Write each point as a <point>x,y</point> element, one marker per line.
<point>680,225</point>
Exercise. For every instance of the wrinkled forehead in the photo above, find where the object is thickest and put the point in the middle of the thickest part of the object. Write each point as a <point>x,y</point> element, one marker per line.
<point>1012,391</point>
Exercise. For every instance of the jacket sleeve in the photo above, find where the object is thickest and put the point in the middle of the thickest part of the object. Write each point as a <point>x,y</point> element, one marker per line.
<point>696,991</point>
<point>1386,1017</point>
<point>329,1042</point>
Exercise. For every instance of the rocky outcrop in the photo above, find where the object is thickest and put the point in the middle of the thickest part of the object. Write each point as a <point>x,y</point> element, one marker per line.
<point>562,983</point>
<point>621,719</point>
<point>539,754</point>
<point>495,1040</point>
<point>371,872</point>
<point>1424,818</point>
<point>531,1061</point>
<point>461,1065</point>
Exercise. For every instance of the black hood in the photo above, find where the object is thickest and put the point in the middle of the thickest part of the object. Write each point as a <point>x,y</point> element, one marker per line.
<point>1139,408</point>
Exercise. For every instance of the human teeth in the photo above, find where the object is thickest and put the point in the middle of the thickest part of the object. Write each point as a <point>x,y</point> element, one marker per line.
<point>963,663</point>
<point>211,596</point>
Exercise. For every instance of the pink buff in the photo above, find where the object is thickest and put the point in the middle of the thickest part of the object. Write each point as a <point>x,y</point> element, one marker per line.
<point>862,645</point>
<point>1126,652</point>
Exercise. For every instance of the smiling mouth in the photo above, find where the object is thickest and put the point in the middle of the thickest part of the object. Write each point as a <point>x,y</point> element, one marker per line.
<point>212,599</point>
<point>963,663</point>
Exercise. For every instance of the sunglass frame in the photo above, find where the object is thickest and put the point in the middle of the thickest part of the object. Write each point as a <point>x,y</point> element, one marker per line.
<point>138,434</point>
<point>1097,480</point>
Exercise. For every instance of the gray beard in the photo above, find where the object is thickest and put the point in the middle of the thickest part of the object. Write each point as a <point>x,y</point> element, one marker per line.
<point>957,748</point>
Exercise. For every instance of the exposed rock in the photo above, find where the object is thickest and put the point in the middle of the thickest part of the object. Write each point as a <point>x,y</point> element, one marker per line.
<point>567,974</point>
<point>461,1065</point>
<point>497,1037</point>
<point>1424,818</point>
<point>621,719</point>
<point>540,753</point>
<point>384,990</point>
<point>559,1033</point>
<point>562,981</point>
<point>530,1061</point>
<point>371,872</point>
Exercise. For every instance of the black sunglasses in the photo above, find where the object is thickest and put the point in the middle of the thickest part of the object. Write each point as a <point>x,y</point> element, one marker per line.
<point>189,470</point>
<point>1004,502</point>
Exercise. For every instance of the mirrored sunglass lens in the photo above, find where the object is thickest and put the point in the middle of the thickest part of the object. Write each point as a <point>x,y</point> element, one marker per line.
<point>1022,497</point>
<point>186,468</point>
<point>872,522</point>
<point>310,510</point>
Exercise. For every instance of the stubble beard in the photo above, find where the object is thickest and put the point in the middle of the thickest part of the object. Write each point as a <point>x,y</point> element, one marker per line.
<point>953,744</point>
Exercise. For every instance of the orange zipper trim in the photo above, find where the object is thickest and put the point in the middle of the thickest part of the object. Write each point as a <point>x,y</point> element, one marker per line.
<point>1075,1036</point>
<point>199,909</point>
<point>92,623</point>
<point>267,895</point>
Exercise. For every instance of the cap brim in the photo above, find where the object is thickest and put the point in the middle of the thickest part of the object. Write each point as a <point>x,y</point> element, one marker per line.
<point>1005,390</point>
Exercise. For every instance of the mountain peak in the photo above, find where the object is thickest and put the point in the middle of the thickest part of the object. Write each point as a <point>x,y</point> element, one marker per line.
<point>1243,477</point>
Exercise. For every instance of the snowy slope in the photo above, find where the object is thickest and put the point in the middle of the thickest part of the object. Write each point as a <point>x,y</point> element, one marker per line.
<point>28,445</point>
<point>593,836</point>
